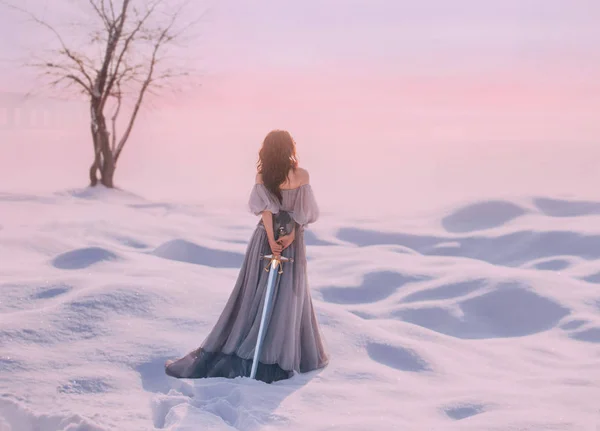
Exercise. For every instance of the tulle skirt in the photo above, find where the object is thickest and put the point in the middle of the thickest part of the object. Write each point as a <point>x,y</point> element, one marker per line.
<point>293,341</point>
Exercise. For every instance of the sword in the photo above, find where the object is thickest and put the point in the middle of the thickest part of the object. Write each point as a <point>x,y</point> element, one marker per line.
<point>271,268</point>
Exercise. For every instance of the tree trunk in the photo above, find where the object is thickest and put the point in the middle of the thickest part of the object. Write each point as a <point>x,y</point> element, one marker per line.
<point>93,177</point>
<point>107,170</point>
<point>104,161</point>
<point>94,104</point>
<point>96,164</point>
<point>108,173</point>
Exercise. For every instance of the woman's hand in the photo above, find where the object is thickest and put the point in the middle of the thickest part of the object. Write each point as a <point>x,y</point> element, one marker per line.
<point>276,248</point>
<point>287,240</point>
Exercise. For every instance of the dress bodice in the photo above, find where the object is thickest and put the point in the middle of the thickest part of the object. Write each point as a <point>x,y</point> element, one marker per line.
<point>300,202</point>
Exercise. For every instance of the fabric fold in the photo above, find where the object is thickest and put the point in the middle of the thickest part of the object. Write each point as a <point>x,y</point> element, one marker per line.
<point>293,341</point>
<point>261,199</point>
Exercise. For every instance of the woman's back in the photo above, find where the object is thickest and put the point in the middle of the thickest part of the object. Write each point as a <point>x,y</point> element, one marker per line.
<point>280,183</point>
<point>296,178</point>
<point>293,193</point>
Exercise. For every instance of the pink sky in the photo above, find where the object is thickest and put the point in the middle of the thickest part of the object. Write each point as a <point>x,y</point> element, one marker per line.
<point>419,101</point>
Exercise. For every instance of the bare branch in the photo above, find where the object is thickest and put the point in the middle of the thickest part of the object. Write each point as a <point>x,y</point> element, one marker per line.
<point>67,72</point>
<point>113,72</point>
<point>112,10</point>
<point>103,7</point>
<point>77,80</point>
<point>126,44</point>
<point>69,78</point>
<point>101,13</point>
<point>65,50</point>
<point>114,34</point>
<point>191,24</point>
<point>163,38</point>
<point>142,92</point>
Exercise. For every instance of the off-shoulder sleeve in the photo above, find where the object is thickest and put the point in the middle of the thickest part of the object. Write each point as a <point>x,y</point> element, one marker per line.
<point>306,209</point>
<point>262,200</point>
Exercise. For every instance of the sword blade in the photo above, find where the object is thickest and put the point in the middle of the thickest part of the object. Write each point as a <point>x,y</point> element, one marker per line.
<point>262,330</point>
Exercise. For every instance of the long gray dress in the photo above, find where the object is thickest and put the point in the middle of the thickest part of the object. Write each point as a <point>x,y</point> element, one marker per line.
<point>293,342</point>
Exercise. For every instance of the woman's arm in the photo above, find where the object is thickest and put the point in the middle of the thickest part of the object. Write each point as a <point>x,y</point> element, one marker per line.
<point>267,218</point>
<point>287,240</point>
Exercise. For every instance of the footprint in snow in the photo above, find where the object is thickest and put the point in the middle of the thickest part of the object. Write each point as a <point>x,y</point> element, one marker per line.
<point>376,286</point>
<point>460,412</point>
<point>397,357</point>
<point>83,258</point>
<point>447,291</point>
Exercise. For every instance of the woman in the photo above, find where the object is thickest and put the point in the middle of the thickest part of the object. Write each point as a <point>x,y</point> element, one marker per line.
<point>293,342</point>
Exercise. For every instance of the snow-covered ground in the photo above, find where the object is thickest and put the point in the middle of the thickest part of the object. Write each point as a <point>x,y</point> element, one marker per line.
<point>483,316</point>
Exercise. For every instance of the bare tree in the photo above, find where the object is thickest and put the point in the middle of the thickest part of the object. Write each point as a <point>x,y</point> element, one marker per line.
<point>130,40</point>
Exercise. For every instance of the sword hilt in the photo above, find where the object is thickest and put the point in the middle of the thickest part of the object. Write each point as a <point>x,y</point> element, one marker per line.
<point>280,258</point>
<point>278,261</point>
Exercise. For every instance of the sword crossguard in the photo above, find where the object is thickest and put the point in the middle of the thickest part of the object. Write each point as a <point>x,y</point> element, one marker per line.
<point>278,260</point>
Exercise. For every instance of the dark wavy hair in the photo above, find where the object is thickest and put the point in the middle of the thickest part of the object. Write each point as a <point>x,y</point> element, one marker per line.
<point>276,158</point>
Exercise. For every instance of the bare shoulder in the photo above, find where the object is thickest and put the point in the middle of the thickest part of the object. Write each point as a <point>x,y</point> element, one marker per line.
<point>302,176</point>
<point>258,179</point>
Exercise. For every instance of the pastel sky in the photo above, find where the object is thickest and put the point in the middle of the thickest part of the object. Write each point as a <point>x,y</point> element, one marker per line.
<point>415,100</point>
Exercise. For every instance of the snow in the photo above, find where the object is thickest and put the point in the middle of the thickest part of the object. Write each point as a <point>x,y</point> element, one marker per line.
<point>480,316</point>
